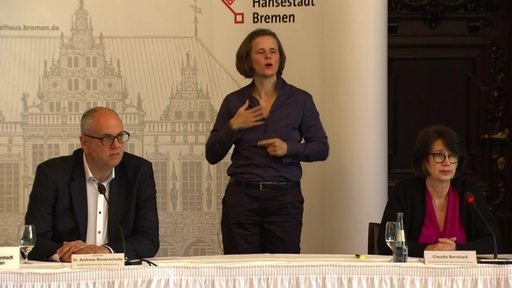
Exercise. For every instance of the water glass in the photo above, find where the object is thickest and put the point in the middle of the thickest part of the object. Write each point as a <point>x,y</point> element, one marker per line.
<point>27,237</point>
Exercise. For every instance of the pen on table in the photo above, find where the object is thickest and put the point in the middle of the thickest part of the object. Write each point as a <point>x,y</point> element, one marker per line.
<point>359,256</point>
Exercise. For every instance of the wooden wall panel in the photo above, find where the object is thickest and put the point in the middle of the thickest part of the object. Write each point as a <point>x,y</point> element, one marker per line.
<point>449,63</point>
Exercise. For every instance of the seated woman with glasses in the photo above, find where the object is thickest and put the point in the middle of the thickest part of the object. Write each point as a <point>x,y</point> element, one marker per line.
<point>437,213</point>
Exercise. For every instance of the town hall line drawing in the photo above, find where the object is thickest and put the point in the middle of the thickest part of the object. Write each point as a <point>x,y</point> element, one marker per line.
<point>164,88</point>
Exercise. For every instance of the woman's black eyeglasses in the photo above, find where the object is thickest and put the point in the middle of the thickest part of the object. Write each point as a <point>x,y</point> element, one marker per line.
<point>439,157</point>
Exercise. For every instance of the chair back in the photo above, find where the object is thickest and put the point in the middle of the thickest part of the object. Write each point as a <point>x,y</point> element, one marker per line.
<point>373,232</point>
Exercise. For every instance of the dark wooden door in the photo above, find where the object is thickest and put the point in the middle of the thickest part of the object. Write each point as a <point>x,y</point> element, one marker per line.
<point>449,63</point>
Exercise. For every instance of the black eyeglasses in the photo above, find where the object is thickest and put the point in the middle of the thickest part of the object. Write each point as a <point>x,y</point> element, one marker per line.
<point>439,157</point>
<point>107,140</point>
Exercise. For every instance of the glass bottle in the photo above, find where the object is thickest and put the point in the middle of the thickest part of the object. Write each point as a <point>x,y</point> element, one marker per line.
<point>401,251</point>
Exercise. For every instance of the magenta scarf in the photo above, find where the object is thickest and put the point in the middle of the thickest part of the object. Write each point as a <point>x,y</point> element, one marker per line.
<point>430,231</point>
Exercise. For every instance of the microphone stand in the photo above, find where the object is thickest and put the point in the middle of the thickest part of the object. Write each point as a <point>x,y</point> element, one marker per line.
<point>471,200</point>
<point>102,190</point>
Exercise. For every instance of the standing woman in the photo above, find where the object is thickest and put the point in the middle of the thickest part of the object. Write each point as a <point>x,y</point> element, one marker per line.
<point>437,215</point>
<point>273,126</point>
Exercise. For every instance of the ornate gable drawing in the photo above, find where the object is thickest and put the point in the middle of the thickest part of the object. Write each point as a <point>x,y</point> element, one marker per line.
<point>165,90</point>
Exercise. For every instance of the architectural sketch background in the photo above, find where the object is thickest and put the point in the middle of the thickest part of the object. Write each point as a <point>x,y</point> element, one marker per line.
<point>169,64</point>
<point>166,90</point>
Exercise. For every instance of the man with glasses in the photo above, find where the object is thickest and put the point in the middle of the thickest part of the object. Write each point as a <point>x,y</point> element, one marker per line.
<point>437,215</point>
<point>100,199</point>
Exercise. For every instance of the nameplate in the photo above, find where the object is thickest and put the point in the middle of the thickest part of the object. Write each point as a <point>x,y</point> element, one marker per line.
<point>10,257</point>
<point>90,261</point>
<point>450,257</point>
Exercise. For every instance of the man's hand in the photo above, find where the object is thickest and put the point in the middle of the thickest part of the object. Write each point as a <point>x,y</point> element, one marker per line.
<point>78,247</point>
<point>93,249</point>
<point>274,146</point>
<point>246,118</point>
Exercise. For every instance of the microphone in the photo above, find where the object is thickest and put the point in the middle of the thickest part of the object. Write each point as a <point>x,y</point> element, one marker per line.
<point>471,200</point>
<point>102,190</point>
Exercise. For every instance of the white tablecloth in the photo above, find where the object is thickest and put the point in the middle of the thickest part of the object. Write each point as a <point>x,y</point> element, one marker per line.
<point>305,270</point>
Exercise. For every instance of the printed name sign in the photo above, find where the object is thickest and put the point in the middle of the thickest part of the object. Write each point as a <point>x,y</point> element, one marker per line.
<point>10,257</point>
<point>450,257</point>
<point>88,261</point>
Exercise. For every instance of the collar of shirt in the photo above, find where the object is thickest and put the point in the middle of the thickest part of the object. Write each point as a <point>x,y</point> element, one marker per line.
<point>88,173</point>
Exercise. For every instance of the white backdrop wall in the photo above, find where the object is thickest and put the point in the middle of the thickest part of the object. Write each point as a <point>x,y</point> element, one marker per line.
<point>336,50</point>
<point>355,101</point>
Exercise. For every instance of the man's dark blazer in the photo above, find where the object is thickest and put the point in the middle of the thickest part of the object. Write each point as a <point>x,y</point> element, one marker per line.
<point>58,206</point>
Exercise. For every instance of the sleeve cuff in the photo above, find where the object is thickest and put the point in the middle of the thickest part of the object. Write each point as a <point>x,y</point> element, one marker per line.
<point>109,248</point>
<point>54,258</point>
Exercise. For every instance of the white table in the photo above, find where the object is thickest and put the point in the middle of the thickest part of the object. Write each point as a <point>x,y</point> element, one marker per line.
<point>305,270</point>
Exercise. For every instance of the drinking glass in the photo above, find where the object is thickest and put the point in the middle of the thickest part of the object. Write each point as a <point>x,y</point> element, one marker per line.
<point>27,236</point>
<point>390,234</point>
